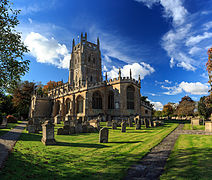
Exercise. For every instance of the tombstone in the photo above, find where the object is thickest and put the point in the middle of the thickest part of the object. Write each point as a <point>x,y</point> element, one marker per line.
<point>146,122</point>
<point>108,118</point>
<point>57,119</point>
<point>84,128</point>
<point>66,123</point>
<point>195,122</point>
<point>72,130</point>
<point>94,123</point>
<point>78,128</point>
<point>138,126</point>
<point>103,135</point>
<point>109,123</point>
<point>208,126</point>
<point>31,129</point>
<point>48,133</point>
<point>114,125</point>
<point>123,126</point>
<point>4,123</point>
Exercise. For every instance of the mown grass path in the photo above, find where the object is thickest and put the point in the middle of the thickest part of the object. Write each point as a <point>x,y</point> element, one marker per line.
<point>81,156</point>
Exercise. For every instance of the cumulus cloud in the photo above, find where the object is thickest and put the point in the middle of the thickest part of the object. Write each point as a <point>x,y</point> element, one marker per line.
<point>196,88</point>
<point>48,50</point>
<point>207,25</point>
<point>158,106</point>
<point>137,69</point>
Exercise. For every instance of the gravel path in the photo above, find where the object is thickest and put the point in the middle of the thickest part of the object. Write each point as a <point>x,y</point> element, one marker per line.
<point>8,140</point>
<point>152,165</point>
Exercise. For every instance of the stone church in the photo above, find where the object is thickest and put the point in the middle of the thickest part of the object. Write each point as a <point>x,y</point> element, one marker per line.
<point>86,95</point>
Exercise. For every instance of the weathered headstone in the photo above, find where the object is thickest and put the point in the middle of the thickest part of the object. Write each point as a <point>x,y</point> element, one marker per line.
<point>48,133</point>
<point>138,126</point>
<point>123,126</point>
<point>95,123</point>
<point>195,121</point>
<point>66,123</point>
<point>109,123</point>
<point>208,126</point>
<point>146,122</point>
<point>103,135</point>
<point>114,125</point>
<point>78,128</point>
<point>31,129</point>
<point>4,123</point>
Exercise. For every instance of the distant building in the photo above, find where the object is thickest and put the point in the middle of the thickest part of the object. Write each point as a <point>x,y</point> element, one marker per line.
<point>86,95</point>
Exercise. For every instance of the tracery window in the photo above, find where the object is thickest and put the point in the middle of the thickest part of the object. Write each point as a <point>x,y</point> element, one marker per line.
<point>111,100</point>
<point>130,97</point>
<point>97,100</point>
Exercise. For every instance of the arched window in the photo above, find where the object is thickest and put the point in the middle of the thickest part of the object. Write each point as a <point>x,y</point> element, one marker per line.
<point>68,105</point>
<point>130,97</point>
<point>97,100</point>
<point>111,100</point>
<point>79,104</point>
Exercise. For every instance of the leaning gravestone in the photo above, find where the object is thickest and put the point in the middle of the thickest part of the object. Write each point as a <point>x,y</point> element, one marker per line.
<point>103,135</point>
<point>123,126</point>
<point>48,133</point>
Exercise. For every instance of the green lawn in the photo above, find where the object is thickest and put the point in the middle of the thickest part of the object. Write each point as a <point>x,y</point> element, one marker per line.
<point>190,159</point>
<point>81,156</point>
<point>189,127</point>
<point>8,128</point>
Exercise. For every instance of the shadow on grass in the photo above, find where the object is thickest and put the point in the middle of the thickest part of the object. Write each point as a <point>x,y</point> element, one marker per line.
<point>192,163</point>
<point>123,142</point>
<point>86,145</point>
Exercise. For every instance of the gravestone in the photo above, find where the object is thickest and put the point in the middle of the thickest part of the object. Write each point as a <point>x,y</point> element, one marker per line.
<point>94,123</point>
<point>130,122</point>
<point>57,119</point>
<point>114,125</point>
<point>208,126</point>
<point>66,123</point>
<point>103,135</point>
<point>195,121</point>
<point>78,128</point>
<point>151,123</point>
<point>146,122</point>
<point>4,123</point>
<point>48,133</point>
<point>123,126</point>
<point>31,129</point>
<point>109,123</point>
<point>138,126</point>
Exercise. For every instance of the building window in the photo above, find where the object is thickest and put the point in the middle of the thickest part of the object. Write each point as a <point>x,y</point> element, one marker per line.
<point>89,58</point>
<point>146,111</point>
<point>79,104</point>
<point>130,97</point>
<point>111,100</point>
<point>97,100</point>
<point>68,105</point>
<point>91,78</point>
<point>94,60</point>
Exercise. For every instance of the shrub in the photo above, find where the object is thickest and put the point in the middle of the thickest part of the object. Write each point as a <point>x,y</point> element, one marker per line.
<point>11,119</point>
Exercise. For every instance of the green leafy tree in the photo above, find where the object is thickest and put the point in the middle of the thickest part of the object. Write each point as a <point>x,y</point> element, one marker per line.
<point>12,49</point>
<point>158,113</point>
<point>186,107</point>
<point>205,107</point>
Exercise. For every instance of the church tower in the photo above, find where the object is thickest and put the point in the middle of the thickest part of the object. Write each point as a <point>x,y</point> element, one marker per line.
<point>85,63</point>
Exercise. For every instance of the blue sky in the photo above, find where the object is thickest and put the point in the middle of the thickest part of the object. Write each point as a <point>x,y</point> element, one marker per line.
<point>163,41</point>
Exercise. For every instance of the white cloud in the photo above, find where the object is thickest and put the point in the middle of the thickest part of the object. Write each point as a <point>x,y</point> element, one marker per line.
<point>48,50</point>
<point>168,82</point>
<point>157,105</point>
<point>196,88</point>
<point>107,58</point>
<point>194,50</point>
<point>172,63</point>
<point>137,69</point>
<point>207,25</point>
<point>172,8</point>
<point>30,20</point>
<point>196,39</point>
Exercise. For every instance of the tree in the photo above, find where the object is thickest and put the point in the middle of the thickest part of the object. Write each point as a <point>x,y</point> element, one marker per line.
<point>22,97</point>
<point>204,107</point>
<point>157,113</point>
<point>167,110</point>
<point>50,85</point>
<point>209,66</point>
<point>186,107</point>
<point>12,49</point>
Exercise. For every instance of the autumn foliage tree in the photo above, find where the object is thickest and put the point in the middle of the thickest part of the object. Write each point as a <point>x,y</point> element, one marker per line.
<point>209,66</point>
<point>50,85</point>
<point>167,110</point>
<point>22,97</point>
<point>186,107</point>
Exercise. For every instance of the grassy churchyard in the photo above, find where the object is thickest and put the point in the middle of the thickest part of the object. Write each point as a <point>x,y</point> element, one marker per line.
<point>191,158</point>
<point>81,156</point>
